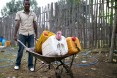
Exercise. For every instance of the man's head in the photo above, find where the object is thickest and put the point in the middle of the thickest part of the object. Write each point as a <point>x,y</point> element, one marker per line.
<point>26,5</point>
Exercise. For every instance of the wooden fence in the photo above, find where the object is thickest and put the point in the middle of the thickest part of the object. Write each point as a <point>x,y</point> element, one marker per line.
<point>90,21</point>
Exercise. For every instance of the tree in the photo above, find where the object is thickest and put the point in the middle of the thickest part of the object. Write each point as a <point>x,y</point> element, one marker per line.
<point>73,1</point>
<point>14,6</point>
<point>113,34</point>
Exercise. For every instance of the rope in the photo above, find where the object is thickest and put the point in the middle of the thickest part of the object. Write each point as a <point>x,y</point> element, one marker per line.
<point>6,65</point>
<point>86,54</point>
<point>8,62</point>
<point>89,64</point>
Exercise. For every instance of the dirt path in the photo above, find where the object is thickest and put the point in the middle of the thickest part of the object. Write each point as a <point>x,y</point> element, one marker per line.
<point>102,69</point>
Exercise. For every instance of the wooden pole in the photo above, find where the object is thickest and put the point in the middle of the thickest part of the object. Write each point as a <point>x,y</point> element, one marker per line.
<point>113,36</point>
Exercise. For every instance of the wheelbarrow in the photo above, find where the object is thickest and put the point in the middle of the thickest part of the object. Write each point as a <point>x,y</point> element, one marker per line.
<point>49,60</point>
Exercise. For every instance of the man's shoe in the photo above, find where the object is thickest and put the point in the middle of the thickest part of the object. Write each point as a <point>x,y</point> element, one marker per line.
<point>16,67</point>
<point>42,62</point>
<point>32,69</point>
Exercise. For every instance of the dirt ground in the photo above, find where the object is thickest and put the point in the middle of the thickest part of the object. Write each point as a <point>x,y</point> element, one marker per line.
<point>100,68</point>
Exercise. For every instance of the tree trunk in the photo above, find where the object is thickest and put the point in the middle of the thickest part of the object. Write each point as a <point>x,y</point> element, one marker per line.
<point>113,36</point>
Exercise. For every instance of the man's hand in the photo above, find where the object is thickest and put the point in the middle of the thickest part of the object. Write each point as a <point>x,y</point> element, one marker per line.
<point>15,37</point>
<point>35,37</point>
<point>35,29</point>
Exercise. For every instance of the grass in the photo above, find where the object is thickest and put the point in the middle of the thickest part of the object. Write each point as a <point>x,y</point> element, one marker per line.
<point>2,76</point>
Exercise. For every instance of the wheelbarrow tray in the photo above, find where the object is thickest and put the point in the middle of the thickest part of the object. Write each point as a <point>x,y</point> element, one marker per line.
<point>47,59</point>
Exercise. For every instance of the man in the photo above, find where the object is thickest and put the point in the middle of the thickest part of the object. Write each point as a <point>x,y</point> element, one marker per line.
<point>27,26</point>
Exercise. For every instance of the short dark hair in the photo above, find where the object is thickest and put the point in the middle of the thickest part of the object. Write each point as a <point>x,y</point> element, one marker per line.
<point>25,0</point>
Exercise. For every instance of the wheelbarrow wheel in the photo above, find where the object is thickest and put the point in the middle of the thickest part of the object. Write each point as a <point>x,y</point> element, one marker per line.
<point>63,71</point>
<point>58,71</point>
<point>68,71</point>
<point>58,75</point>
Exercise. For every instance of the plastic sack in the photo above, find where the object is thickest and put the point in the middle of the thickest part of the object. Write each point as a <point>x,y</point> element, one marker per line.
<point>54,47</point>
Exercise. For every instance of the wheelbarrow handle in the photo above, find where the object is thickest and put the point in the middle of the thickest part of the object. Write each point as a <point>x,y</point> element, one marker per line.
<point>22,44</point>
<point>28,49</point>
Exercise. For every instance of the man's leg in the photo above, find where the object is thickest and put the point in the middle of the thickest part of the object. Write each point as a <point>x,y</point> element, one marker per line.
<point>30,45</point>
<point>20,51</point>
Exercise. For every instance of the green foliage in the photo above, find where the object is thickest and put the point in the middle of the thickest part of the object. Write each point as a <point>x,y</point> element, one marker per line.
<point>73,1</point>
<point>14,6</point>
<point>112,5</point>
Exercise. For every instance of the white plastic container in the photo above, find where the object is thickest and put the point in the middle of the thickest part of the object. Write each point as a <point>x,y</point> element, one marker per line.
<point>54,47</point>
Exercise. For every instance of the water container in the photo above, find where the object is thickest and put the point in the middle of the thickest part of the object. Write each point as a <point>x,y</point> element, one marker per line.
<point>0,39</point>
<point>44,36</point>
<point>73,45</point>
<point>0,43</point>
<point>3,42</point>
<point>54,47</point>
<point>7,43</point>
